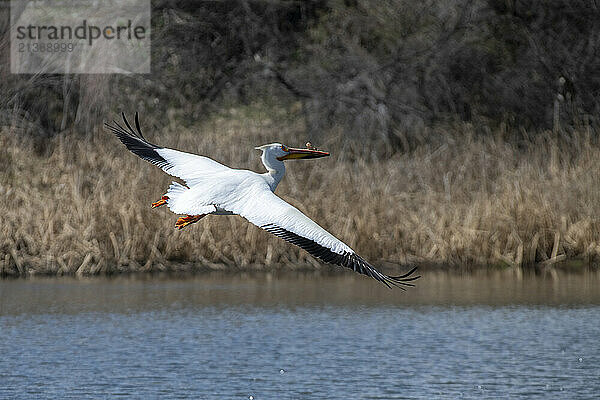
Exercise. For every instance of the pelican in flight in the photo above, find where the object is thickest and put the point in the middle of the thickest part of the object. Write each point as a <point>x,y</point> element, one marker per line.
<point>213,188</point>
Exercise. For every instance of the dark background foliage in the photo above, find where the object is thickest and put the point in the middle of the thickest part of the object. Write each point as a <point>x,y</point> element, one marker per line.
<point>373,69</point>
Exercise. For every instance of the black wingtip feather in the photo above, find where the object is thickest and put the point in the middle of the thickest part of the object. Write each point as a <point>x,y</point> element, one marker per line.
<point>137,125</point>
<point>135,141</point>
<point>349,260</point>
<point>406,275</point>
<point>127,124</point>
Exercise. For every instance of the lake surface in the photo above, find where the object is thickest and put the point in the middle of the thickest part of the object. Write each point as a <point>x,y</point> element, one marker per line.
<point>261,336</point>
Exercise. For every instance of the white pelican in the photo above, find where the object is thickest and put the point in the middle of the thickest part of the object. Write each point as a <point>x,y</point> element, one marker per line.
<point>213,188</point>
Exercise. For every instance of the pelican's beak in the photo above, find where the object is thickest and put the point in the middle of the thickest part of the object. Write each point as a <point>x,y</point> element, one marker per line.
<point>295,154</point>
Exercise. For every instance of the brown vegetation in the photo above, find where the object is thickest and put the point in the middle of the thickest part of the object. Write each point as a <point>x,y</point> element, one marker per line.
<point>437,113</point>
<point>460,198</point>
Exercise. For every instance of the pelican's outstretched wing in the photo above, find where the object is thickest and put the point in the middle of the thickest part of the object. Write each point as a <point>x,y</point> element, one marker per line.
<point>176,163</point>
<point>273,214</point>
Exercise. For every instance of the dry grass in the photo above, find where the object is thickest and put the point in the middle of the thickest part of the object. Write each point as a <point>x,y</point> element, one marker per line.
<point>82,206</point>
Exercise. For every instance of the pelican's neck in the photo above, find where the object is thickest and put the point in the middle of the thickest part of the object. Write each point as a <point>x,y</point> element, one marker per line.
<point>275,168</point>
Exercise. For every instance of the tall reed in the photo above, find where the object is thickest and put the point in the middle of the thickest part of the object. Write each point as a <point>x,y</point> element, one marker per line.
<point>83,206</point>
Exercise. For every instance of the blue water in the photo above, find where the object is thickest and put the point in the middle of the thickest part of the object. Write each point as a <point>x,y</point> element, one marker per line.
<point>298,338</point>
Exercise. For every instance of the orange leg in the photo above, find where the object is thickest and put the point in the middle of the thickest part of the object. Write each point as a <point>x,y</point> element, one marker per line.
<point>182,222</point>
<point>160,202</point>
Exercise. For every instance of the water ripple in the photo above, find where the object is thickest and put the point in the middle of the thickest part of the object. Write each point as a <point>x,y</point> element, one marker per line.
<point>287,349</point>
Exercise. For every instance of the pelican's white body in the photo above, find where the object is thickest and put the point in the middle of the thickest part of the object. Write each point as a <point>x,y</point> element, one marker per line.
<point>213,188</point>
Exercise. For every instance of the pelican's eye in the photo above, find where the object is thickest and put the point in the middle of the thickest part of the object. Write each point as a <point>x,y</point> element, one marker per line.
<point>284,148</point>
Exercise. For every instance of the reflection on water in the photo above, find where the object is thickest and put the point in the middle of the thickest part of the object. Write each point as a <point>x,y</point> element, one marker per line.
<point>221,336</point>
<point>133,293</point>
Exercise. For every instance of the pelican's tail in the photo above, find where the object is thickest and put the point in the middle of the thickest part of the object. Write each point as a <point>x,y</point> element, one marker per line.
<point>175,191</point>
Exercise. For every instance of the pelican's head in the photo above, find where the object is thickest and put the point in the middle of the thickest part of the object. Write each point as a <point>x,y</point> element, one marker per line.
<point>281,152</point>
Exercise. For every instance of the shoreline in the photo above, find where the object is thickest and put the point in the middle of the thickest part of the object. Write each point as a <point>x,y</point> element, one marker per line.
<point>191,269</point>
